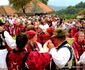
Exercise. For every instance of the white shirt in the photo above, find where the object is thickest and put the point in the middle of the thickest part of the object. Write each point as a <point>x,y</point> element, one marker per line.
<point>9,40</point>
<point>44,27</point>
<point>61,56</point>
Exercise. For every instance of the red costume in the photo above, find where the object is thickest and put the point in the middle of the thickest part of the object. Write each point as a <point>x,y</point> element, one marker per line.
<point>33,45</point>
<point>79,47</point>
<point>38,61</point>
<point>18,29</point>
<point>16,60</point>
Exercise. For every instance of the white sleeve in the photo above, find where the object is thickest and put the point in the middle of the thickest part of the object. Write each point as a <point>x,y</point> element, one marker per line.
<point>60,57</point>
<point>9,40</point>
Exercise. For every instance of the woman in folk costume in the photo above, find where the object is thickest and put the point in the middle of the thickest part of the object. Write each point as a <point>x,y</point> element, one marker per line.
<point>39,35</point>
<point>45,36</point>
<point>34,45</point>
<point>18,27</point>
<point>48,34</point>
<point>15,58</point>
<point>73,30</point>
<point>8,28</point>
<point>79,44</point>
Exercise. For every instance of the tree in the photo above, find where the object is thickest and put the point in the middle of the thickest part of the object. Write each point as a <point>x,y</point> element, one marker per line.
<point>80,5</point>
<point>44,1</point>
<point>17,4</point>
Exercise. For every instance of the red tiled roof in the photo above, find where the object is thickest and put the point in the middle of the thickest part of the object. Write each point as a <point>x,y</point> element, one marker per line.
<point>2,12</point>
<point>7,10</point>
<point>42,8</point>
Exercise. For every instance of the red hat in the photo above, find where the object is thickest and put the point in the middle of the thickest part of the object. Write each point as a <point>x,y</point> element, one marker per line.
<point>31,34</point>
<point>50,30</point>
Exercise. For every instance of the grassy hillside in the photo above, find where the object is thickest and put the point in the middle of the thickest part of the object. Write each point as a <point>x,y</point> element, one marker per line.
<point>71,11</point>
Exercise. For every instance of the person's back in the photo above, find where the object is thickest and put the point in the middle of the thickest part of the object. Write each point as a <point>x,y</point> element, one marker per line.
<point>16,58</point>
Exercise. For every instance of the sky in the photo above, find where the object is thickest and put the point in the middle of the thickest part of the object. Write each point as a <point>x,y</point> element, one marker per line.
<point>52,2</point>
<point>64,2</point>
<point>4,2</point>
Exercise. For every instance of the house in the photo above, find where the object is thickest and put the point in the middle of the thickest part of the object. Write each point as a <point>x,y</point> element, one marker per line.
<point>7,10</point>
<point>31,8</point>
<point>39,8</point>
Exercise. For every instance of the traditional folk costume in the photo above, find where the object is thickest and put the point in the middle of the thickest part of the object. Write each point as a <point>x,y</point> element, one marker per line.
<point>5,41</point>
<point>59,59</point>
<point>33,45</point>
<point>79,47</point>
<point>3,51</point>
<point>38,61</point>
<point>63,56</point>
<point>16,59</point>
<point>18,29</point>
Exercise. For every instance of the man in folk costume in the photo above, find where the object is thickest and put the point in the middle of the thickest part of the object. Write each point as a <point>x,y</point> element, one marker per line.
<point>5,41</point>
<point>3,50</point>
<point>62,56</point>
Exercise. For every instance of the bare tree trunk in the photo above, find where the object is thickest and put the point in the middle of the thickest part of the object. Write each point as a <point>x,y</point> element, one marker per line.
<point>23,9</point>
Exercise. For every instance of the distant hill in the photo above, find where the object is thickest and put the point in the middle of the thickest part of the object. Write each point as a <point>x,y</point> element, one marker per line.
<point>55,8</point>
<point>72,11</point>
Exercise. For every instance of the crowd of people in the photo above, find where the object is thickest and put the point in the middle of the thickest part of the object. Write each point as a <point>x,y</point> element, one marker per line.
<point>39,43</point>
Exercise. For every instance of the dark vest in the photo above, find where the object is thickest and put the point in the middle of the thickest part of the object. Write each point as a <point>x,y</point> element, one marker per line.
<point>2,42</point>
<point>71,63</point>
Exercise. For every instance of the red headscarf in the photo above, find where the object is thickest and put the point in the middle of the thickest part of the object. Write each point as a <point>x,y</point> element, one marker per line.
<point>31,34</point>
